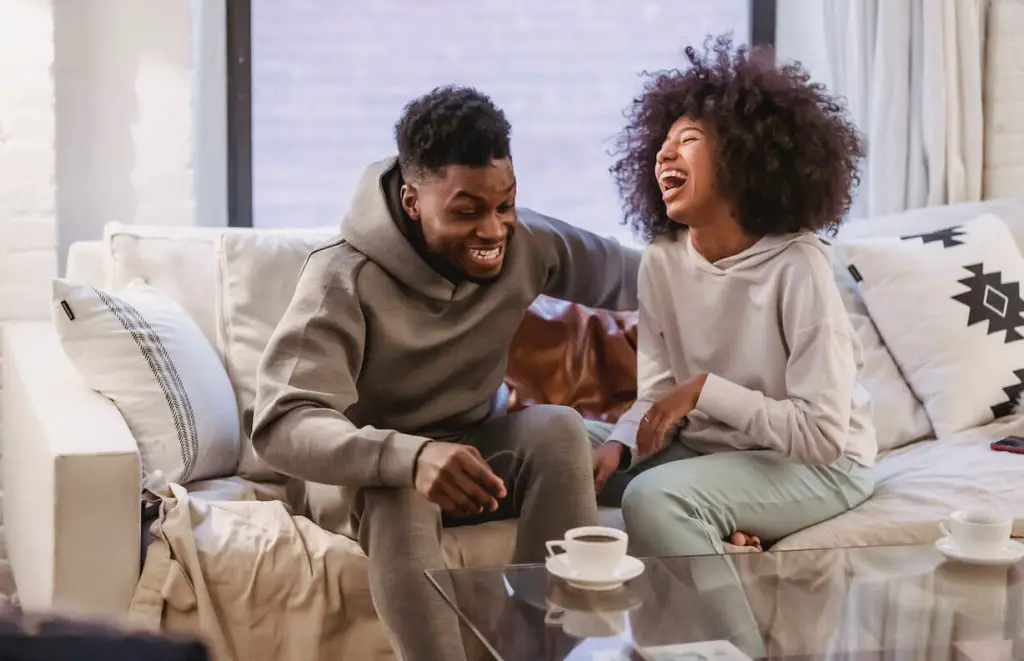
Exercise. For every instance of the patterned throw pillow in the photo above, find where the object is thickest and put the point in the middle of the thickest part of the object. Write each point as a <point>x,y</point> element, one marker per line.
<point>948,306</point>
<point>142,351</point>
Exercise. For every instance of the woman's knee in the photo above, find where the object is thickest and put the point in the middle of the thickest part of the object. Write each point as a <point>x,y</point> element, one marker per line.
<point>645,506</point>
<point>661,521</point>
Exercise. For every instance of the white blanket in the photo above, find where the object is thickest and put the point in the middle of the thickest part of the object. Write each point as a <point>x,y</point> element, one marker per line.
<point>258,583</point>
<point>919,485</point>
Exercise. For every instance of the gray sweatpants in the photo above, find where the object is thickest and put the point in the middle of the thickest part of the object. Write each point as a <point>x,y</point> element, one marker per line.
<point>543,455</point>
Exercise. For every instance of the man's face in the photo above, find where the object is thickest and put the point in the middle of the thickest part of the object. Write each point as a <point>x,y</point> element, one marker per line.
<point>468,215</point>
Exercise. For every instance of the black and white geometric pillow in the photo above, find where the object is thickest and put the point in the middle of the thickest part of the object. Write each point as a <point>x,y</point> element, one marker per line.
<point>142,351</point>
<point>948,306</point>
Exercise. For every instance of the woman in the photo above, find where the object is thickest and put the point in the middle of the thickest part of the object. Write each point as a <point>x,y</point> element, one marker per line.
<point>749,416</point>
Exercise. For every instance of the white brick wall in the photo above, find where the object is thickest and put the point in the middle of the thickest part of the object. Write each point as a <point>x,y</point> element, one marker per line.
<point>28,228</point>
<point>125,82</point>
<point>99,100</point>
<point>1004,100</point>
<point>27,159</point>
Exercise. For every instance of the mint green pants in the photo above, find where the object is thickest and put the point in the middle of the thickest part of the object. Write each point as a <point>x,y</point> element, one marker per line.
<point>680,502</point>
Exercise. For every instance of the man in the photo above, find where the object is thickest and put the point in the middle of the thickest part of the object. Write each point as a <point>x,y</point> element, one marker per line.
<point>384,377</point>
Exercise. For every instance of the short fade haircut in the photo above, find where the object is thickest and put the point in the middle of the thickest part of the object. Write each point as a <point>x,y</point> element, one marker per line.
<point>450,126</point>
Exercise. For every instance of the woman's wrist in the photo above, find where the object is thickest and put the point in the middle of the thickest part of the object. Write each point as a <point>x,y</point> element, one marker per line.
<point>694,387</point>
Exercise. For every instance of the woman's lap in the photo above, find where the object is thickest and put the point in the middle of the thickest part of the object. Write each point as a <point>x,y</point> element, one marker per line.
<point>759,492</point>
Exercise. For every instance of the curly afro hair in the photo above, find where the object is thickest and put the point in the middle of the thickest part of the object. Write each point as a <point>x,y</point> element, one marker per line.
<point>787,153</point>
<point>451,125</point>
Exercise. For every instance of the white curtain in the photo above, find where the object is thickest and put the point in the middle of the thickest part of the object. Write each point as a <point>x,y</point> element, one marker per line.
<point>911,71</point>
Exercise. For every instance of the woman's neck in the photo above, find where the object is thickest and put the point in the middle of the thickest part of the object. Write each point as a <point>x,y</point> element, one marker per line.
<point>720,239</point>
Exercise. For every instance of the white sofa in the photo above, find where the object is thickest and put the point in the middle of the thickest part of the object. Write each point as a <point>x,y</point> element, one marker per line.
<point>71,472</point>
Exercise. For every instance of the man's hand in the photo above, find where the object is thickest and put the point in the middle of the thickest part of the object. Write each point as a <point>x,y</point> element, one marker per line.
<point>667,411</point>
<point>606,461</point>
<point>457,478</point>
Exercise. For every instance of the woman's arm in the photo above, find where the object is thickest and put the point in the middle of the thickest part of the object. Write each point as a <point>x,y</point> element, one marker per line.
<point>811,424</point>
<point>654,374</point>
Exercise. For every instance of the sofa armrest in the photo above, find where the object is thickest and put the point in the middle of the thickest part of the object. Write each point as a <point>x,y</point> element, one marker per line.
<point>71,477</point>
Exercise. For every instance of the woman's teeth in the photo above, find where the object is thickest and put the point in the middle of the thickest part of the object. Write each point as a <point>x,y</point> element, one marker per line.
<point>670,179</point>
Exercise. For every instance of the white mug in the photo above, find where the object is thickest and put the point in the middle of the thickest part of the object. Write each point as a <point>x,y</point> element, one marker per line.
<point>592,550</point>
<point>978,532</point>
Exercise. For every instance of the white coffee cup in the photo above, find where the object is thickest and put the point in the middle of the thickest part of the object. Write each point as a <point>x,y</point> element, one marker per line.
<point>592,550</point>
<point>978,532</point>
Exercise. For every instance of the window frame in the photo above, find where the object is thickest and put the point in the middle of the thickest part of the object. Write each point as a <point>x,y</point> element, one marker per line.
<point>239,96</point>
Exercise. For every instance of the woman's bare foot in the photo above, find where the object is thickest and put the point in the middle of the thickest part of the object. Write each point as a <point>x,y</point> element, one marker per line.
<point>743,539</point>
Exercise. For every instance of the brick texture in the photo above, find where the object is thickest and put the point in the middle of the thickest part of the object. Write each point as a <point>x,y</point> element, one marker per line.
<point>27,171</point>
<point>329,82</point>
<point>1004,100</point>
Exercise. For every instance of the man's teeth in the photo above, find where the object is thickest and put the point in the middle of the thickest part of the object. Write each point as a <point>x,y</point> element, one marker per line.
<point>485,255</point>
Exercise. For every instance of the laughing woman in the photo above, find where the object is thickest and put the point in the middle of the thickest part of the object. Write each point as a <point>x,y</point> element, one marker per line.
<point>749,416</point>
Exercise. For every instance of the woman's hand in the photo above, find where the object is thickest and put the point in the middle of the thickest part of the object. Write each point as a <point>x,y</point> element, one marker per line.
<point>607,459</point>
<point>667,411</point>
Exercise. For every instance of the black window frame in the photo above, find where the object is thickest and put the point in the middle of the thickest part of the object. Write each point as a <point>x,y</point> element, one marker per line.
<point>239,96</point>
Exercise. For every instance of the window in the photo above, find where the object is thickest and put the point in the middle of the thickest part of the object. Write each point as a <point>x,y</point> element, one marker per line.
<point>327,82</point>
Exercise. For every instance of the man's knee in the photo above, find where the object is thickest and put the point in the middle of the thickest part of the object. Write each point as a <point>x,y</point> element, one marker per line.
<point>558,434</point>
<point>399,514</point>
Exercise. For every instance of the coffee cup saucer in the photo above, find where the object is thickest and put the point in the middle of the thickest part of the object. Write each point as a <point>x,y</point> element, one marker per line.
<point>1011,552</point>
<point>628,569</point>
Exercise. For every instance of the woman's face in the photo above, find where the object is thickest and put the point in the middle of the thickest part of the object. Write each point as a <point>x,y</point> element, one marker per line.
<point>685,169</point>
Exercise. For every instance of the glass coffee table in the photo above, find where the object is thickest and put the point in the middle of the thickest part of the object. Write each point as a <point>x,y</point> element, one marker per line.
<point>891,603</point>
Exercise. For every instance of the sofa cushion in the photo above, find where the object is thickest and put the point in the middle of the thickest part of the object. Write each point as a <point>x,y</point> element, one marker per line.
<point>920,484</point>
<point>929,219</point>
<point>257,275</point>
<point>949,307</point>
<point>898,415</point>
<point>139,349</point>
<point>178,261</point>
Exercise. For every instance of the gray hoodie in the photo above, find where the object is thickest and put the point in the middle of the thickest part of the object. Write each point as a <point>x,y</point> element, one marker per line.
<point>377,352</point>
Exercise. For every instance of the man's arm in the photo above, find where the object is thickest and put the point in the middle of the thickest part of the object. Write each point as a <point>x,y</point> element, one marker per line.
<point>306,381</point>
<point>582,267</point>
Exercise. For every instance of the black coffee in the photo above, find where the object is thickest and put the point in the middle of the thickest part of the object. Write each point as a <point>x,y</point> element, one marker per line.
<point>596,538</point>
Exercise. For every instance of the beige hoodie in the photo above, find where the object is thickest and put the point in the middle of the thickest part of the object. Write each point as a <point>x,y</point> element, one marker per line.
<point>770,329</point>
<point>377,352</point>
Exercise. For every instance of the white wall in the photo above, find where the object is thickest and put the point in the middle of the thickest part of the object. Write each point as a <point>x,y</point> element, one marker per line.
<point>129,100</point>
<point>28,226</point>
<point>1004,100</point>
<point>104,116</point>
<point>27,161</point>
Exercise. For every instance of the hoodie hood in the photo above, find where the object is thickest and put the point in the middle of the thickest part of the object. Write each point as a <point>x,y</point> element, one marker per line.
<point>369,228</point>
<point>757,254</point>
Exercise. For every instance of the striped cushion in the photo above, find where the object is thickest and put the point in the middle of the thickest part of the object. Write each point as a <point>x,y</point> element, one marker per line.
<point>143,352</point>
